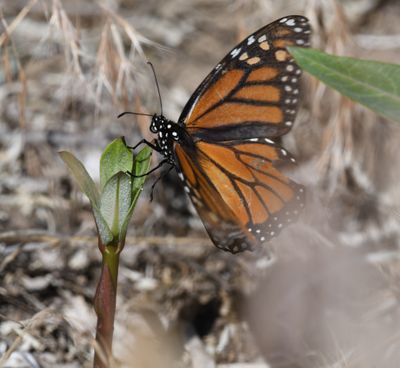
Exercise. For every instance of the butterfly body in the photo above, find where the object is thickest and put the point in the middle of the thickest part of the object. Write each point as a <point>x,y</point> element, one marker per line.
<point>168,133</point>
<point>225,144</point>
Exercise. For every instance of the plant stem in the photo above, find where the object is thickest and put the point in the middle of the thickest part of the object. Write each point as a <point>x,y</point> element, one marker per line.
<point>104,304</point>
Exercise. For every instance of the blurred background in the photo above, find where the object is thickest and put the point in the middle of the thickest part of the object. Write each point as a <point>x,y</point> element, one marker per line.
<point>326,293</point>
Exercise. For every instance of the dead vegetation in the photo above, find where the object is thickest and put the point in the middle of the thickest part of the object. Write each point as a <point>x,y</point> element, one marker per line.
<point>324,294</point>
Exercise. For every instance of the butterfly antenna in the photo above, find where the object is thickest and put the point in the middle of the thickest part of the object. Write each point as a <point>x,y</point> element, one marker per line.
<point>132,113</point>
<point>158,87</point>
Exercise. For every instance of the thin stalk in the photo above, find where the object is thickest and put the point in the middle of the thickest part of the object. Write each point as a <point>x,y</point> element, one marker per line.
<point>104,304</point>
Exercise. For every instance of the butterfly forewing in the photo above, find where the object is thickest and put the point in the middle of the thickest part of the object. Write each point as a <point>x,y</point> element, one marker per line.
<point>254,90</point>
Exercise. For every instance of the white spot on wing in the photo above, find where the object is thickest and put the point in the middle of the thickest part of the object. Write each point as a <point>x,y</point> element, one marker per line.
<point>290,22</point>
<point>262,38</point>
<point>235,52</point>
<point>250,40</point>
<point>290,68</point>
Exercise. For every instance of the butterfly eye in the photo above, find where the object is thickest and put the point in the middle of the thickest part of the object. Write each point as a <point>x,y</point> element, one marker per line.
<point>153,128</point>
<point>155,125</point>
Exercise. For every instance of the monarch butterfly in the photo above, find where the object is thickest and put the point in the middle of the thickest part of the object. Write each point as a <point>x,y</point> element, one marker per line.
<point>224,143</point>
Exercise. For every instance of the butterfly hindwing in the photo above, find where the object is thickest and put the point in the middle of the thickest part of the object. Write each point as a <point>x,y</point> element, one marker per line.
<point>242,198</point>
<point>218,218</point>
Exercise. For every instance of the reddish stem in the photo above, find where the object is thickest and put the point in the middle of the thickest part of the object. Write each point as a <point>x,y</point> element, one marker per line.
<point>104,305</point>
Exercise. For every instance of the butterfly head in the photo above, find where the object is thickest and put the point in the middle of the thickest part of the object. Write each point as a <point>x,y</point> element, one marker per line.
<point>157,123</point>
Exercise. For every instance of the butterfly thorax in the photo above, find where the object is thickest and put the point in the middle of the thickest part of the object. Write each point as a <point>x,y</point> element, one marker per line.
<point>168,133</point>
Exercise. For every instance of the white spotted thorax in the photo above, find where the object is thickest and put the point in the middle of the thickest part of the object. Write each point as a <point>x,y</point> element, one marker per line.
<point>167,132</point>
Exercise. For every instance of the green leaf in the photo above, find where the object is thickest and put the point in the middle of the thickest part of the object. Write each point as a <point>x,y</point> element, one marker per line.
<point>87,186</point>
<point>371,83</point>
<point>103,229</point>
<point>120,190</point>
<point>116,200</point>
<point>141,166</point>
<point>115,158</point>
<point>85,182</point>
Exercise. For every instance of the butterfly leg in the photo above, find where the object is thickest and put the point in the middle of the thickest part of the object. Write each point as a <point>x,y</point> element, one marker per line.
<point>155,147</point>
<point>165,173</point>
<point>163,162</point>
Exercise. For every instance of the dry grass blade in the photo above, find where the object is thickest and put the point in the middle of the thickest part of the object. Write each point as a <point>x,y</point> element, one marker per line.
<point>17,20</point>
<point>73,52</point>
<point>106,63</point>
<point>21,73</point>
<point>115,66</point>
<point>22,98</point>
<point>9,259</point>
<point>28,327</point>
<point>136,38</point>
<point>48,239</point>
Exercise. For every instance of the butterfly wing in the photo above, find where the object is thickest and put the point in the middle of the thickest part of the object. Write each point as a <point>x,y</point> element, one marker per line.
<point>229,159</point>
<point>253,91</point>
<point>242,198</point>
<point>218,218</point>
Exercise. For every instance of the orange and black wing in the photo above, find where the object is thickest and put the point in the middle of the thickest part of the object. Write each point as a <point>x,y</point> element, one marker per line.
<point>254,90</point>
<point>228,159</point>
<point>242,198</point>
